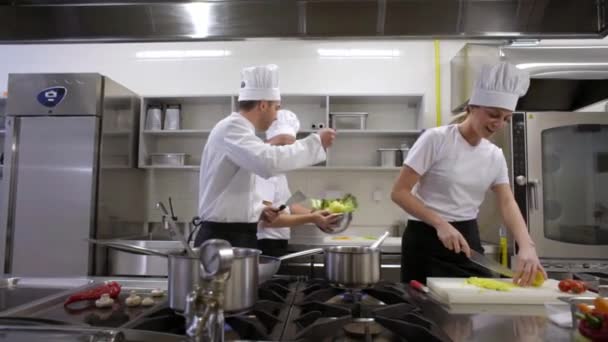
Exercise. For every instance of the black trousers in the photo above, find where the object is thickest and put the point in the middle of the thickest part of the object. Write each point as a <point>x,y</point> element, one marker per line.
<point>423,255</point>
<point>238,234</point>
<point>273,247</point>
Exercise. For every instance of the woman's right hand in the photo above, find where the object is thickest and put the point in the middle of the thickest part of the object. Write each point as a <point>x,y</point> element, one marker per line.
<point>452,239</point>
<point>326,220</point>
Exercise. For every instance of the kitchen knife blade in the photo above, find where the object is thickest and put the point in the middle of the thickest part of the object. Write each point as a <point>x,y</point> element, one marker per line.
<point>296,197</point>
<point>490,264</point>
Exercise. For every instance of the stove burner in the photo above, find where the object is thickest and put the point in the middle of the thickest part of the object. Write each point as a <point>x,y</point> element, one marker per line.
<point>355,297</point>
<point>363,327</point>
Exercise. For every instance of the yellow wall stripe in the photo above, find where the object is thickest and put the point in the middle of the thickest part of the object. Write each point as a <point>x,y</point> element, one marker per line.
<point>437,85</point>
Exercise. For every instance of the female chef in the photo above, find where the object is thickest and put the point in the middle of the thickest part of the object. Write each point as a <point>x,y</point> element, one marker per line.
<point>445,178</point>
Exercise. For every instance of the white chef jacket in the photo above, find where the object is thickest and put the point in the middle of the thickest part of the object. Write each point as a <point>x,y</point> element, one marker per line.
<point>455,176</point>
<point>232,157</point>
<point>276,190</point>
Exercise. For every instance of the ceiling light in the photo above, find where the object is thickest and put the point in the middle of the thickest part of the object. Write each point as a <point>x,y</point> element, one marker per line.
<point>180,54</point>
<point>358,53</point>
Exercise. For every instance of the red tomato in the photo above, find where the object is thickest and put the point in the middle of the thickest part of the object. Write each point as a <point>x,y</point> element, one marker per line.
<point>578,287</point>
<point>565,285</point>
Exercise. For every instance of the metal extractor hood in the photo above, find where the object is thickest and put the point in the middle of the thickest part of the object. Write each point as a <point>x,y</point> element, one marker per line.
<point>31,21</point>
<point>563,78</point>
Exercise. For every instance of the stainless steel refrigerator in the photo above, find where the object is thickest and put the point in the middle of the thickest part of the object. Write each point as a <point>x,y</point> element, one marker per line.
<point>70,147</point>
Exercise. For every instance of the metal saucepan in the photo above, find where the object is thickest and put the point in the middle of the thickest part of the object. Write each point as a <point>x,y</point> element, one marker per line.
<point>353,266</point>
<point>269,266</point>
<point>241,291</point>
<point>184,275</point>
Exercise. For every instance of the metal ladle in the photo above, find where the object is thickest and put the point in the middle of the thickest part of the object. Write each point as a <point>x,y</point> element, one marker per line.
<point>174,230</point>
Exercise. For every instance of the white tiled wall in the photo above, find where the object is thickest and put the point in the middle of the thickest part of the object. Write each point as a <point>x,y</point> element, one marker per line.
<point>373,216</point>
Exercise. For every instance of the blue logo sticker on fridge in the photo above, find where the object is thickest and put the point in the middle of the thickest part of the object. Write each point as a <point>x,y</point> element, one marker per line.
<point>50,97</point>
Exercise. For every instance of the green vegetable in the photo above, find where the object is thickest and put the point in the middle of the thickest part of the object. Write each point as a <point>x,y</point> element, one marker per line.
<point>346,204</point>
<point>594,322</point>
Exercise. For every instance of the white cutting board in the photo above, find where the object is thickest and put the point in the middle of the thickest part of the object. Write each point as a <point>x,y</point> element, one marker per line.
<point>457,291</point>
<point>354,240</point>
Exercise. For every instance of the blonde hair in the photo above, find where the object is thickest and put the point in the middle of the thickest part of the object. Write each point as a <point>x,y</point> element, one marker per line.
<point>459,118</point>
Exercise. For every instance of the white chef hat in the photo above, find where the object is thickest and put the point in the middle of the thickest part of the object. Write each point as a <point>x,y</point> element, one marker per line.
<point>499,85</point>
<point>286,123</point>
<point>260,83</point>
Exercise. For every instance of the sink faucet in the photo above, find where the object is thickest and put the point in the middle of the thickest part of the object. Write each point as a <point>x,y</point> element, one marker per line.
<point>205,304</point>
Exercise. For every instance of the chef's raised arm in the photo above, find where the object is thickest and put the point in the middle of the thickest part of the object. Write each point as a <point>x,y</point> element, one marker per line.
<point>251,153</point>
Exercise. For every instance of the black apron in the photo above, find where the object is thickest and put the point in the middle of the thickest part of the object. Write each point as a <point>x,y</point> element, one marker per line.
<point>423,255</point>
<point>238,234</point>
<point>273,247</point>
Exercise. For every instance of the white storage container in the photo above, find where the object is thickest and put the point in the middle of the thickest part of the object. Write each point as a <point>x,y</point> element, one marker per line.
<point>388,157</point>
<point>348,120</point>
<point>154,118</point>
<point>173,117</point>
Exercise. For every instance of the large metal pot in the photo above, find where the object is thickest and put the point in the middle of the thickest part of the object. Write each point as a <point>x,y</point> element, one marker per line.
<point>352,266</point>
<point>242,287</point>
<point>127,263</point>
<point>184,275</point>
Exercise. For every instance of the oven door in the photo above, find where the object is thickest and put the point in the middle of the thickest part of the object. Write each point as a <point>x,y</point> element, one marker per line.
<point>567,183</point>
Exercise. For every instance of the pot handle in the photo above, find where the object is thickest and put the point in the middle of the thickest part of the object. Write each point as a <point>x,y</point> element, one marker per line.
<point>380,240</point>
<point>301,253</point>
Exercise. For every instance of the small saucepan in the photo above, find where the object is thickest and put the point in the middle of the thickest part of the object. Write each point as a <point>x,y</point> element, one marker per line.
<point>354,266</point>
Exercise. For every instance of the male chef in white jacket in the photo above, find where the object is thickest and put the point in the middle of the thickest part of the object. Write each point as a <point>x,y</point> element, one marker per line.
<point>273,238</point>
<point>229,206</point>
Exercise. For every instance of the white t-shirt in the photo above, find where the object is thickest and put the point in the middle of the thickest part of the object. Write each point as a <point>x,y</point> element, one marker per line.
<point>276,190</point>
<point>455,176</point>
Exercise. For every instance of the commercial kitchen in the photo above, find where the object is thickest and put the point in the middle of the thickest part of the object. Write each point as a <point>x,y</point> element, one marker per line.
<point>106,108</point>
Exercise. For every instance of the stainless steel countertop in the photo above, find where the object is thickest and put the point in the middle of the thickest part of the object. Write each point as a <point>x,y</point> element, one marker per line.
<point>300,244</point>
<point>504,323</point>
<point>461,323</point>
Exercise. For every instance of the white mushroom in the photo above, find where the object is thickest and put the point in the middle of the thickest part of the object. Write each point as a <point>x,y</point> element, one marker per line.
<point>133,299</point>
<point>105,301</point>
<point>148,301</point>
<point>157,293</point>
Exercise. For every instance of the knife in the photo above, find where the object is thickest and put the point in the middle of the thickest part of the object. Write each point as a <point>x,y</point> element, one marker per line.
<point>490,264</point>
<point>296,197</point>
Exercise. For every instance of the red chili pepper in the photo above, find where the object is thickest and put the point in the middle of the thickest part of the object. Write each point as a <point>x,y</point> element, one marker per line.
<point>112,288</point>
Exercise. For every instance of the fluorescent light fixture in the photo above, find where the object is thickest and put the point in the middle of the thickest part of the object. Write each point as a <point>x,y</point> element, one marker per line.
<point>558,64</point>
<point>181,54</point>
<point>525,42</point>
<point>358,53</point>
<point>200,14</point>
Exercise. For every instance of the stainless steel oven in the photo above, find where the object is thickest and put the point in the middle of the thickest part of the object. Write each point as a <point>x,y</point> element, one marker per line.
<point>559,170</point>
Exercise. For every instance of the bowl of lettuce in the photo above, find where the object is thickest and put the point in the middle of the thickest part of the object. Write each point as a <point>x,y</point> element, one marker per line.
<point>344,206</point>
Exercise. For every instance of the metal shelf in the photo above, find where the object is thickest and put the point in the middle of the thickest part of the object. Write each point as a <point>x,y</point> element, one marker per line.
<point>178,133</point>
<point>171,167</point>
<point>377,132</point>
<point>311,168</point>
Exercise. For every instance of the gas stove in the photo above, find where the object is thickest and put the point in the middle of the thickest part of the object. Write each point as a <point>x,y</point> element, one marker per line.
<point>294,309</point>
<point>265,321</point>
<point>384,312</point>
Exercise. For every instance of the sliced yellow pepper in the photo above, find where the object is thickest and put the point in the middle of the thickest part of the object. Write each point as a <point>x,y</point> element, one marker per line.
<point>490,284</point>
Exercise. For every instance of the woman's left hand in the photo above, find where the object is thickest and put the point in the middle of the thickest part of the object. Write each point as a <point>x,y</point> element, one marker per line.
<point>528,265</point>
